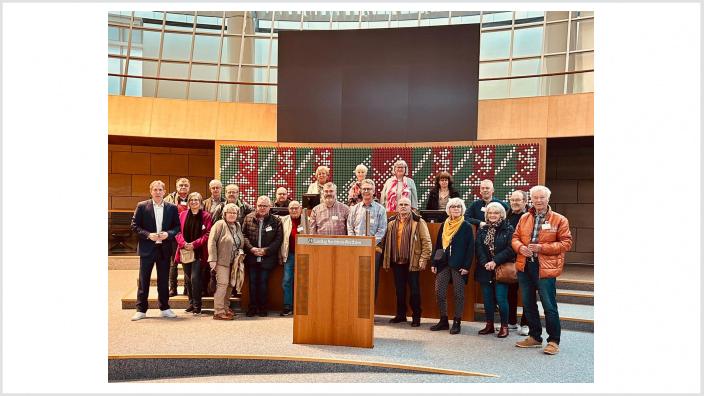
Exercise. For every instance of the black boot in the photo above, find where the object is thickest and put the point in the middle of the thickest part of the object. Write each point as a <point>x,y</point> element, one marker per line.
<point>455,326</point>
<point>443,324</point>
<point>416,321</point>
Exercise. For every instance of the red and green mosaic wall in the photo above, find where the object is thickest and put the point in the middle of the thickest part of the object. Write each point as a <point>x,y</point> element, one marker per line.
<point>260,170</point>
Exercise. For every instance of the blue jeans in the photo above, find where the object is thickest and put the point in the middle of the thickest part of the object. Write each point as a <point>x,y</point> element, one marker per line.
<point>529,281</point>
<point>287,282</point>
<point>494,293</point>
<point>258,285</point>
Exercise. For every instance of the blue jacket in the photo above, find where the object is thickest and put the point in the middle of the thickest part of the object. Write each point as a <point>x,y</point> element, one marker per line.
<point>144,223</point>
<point>503,252</point>
<point>474,214</point>
<point>461,250</point>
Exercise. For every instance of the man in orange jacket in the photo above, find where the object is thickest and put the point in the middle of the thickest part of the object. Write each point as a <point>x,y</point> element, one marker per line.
<point>540,241</point>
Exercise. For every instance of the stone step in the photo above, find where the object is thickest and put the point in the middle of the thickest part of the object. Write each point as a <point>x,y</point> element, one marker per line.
<point>582,297</point>
<point>574,284</point>
<point>180,279</point>
<point>576,317</point>
<point>577,276</point>
<point>129,301</point>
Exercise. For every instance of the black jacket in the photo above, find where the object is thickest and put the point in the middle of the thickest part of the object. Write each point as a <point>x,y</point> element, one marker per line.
<point>503,252</point>
<point>144,223</point>
<point>434,197</point>
<point>272,236</point>
<point>461,250</point>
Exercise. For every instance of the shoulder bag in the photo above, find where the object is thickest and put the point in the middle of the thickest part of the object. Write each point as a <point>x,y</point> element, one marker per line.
<point>506,273</point>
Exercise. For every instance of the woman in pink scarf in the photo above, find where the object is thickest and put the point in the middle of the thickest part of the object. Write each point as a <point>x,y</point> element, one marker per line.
<point>399,186</point>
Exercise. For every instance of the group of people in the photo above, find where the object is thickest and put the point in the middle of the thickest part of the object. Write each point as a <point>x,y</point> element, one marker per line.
<point>232,237</point>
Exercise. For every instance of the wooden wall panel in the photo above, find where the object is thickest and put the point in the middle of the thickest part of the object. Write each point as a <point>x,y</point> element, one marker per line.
<point>571,115</point>
<point>513,118</point>
<point>536,117</point>
<point>528,117</point>
<point>129,115</point>
<point>246,121</point>
<point>130,163</point>
<point>133,168</point>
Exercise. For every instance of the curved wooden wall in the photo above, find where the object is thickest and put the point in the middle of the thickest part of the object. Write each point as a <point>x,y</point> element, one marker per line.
<point>514,118</point>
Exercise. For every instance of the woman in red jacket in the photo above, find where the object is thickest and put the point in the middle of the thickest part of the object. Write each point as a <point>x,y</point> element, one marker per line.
<point>192,249</point>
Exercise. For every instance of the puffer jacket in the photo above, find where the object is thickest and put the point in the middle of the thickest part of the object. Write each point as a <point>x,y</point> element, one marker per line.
<point>272,236</point>
<point>554,241</point>
<point>503,253</point>
<point>420,239</point>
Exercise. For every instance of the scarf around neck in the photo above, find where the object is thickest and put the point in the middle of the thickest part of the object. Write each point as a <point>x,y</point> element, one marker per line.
<point>391,197</point>
<point>490,235</point>
<point>449,229</point>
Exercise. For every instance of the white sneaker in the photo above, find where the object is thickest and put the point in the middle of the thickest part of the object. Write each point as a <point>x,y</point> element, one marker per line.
<point>512,326</point>
<point>167,313</point>
<point>523,331</point>
<point>139,315</point>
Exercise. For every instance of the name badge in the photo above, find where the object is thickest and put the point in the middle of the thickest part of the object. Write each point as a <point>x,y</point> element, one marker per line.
<point>546,226</point>
<point>484,209</point>
<point>371,221</point>
<point>202,227</point>
<point>300,228</point>
<point>268,228</point>
<point>334,218</point>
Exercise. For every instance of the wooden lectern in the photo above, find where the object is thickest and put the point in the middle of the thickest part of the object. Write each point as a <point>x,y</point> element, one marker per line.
<point>334,290</point>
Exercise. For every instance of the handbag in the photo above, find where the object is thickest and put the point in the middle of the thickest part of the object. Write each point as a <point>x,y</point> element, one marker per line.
<point>440,257</point>
<point>506,273</point>
<point>187,256</point>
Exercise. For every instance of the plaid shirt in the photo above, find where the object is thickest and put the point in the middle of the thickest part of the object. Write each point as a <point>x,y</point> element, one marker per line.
<point>539,218</point>
<point>377,221</point>
<point>329,221</point>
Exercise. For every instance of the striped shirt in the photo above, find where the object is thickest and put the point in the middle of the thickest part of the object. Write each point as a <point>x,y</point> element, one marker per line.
<point>329,221</point>
<point>377,220</point>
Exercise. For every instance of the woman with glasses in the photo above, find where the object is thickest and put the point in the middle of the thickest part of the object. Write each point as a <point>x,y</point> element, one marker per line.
<point>224,245</point>
<point>193,249</point>
<point>493,250</point>
<point>452,258</point>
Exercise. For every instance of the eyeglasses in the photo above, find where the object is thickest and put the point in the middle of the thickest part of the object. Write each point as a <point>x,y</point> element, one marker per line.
<point>194,200</point>
<point>367,189</point>
<point>455,206</point>
<point>227,213</point>
<point>262,206</point>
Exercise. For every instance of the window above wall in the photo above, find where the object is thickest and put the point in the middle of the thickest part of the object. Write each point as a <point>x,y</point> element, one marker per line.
<point>233,55</point>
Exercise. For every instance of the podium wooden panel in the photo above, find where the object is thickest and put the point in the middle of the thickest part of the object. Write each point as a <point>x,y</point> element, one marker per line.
<point>334,291</point>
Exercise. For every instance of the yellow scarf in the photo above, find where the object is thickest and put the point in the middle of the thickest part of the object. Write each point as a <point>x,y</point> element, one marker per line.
<point>450,229</point>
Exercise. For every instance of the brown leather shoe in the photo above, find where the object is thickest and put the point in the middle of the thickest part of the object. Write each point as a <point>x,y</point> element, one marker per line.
<point>529,342</point>
<point>222,316</point>
<point>231,312</point>
<point>503,331</point>
<point>489,328</point>
<point>552,348</point>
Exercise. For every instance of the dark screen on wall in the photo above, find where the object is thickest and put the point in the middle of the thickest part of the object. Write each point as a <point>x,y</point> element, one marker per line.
<point>378,85</point>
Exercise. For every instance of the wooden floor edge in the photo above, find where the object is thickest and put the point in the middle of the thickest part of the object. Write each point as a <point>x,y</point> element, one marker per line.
<point>426,369</point>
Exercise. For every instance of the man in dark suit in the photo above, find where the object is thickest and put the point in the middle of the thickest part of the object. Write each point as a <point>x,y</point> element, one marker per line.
<point>156,223</point>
